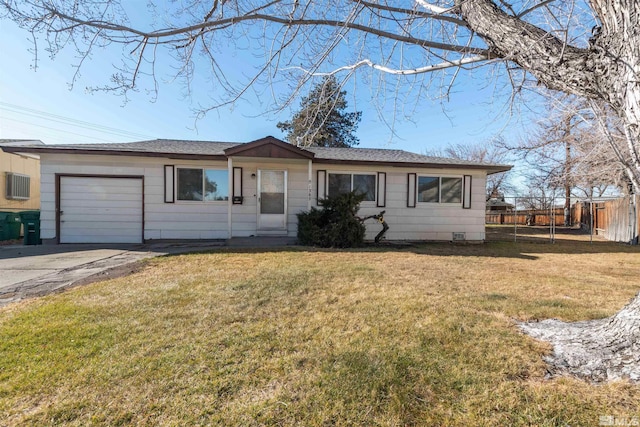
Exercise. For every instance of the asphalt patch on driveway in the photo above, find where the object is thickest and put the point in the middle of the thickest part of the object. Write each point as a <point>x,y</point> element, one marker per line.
<point>103,269</point>
<point>111,273</point>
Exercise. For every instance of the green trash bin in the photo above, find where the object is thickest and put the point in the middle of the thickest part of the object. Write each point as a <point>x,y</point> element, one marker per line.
<point>31,223</point>
<point>9,226</point>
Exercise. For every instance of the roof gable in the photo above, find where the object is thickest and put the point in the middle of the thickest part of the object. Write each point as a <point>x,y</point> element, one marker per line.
<point>269,147</point>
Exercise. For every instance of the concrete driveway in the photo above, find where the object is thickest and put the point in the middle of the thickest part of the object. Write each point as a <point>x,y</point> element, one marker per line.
<point>28,271</point>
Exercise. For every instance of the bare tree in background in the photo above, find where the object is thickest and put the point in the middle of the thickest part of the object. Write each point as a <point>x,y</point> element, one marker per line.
<point>498,184</point>
<point>569,154</point>
<point>543,39</point>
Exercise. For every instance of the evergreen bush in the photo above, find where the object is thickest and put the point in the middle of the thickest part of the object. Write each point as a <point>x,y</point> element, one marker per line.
<point>335,225</point>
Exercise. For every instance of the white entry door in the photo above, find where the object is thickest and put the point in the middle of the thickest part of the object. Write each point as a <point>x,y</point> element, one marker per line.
<point>272,200</point>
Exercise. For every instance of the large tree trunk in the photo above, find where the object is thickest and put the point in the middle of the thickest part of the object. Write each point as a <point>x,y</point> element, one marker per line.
<point>597,350</point>
<point>607,71</point>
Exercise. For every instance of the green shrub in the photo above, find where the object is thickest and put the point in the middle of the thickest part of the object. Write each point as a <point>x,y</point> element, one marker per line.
<point>334,225</point>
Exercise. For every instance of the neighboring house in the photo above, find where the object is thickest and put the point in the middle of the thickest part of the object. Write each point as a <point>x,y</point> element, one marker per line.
<point>497,204</point>
<point>166,189</point>
<point>19,177</point>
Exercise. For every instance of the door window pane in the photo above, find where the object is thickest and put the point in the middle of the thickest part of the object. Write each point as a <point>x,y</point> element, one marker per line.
<point>428,189</point>
<point>272,203</point>
<point>272,181</point>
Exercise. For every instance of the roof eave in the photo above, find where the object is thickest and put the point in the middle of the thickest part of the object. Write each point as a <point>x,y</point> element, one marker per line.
<point>491,169</point>
<point>498,168</point>
<point>87,151</point>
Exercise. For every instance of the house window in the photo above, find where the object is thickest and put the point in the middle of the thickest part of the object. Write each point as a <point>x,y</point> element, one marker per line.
<point>340,183</point>
<point>206,185</point>
<point>433,189</point>
<point>428,189</point>
<point>451,190</point>
<point>18,186</point>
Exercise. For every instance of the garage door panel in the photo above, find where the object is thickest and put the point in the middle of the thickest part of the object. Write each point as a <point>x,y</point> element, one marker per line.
<point>109,224</point>
<point>100,210</point>
<point>90,238</point>
<point>103,232</point>
<point>100,214</point>
<point>126,208</point>
<point>104,194</point>
<point>103,197</point>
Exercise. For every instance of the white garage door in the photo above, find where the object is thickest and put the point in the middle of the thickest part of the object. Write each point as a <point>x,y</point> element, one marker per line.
<point>100,210</point>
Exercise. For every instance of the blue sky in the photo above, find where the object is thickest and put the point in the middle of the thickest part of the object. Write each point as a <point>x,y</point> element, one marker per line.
<point>40,105</point>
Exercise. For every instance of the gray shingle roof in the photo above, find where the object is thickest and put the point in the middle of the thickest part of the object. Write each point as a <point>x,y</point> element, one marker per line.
<point>21,142</point>
<point>383,155</point>
<point>158,146</point>
<point>208,149</point>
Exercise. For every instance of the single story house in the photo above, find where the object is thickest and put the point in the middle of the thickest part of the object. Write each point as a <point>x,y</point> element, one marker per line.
<point>498,204</point>
<point>167,189</point>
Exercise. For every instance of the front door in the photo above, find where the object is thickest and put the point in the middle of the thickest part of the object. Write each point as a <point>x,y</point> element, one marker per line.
<point>272,200</point>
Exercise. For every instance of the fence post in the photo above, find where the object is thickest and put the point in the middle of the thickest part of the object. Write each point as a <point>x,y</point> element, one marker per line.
<point>552,221</point>
<point>515,219</point>
<point>591,221</point>
<point>633,220</point>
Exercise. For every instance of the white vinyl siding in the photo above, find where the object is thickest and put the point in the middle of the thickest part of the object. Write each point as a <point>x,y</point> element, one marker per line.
<point>425,221</point>
<point>162,220</point>
<point>199,220</point>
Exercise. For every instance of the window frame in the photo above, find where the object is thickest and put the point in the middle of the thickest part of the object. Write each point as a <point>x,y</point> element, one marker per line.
<point>460,178</point>
<point>352,174</point>
<point>204,170</point>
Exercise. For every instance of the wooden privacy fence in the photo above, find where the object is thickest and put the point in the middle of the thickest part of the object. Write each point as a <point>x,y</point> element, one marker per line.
<point>616,220</point>
<point>526,217</point>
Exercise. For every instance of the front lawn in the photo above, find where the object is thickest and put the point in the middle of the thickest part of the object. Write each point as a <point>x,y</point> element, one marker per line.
<point>392,337</point>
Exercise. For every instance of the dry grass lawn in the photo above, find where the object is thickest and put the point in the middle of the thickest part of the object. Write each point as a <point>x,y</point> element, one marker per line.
<point>416,336</point>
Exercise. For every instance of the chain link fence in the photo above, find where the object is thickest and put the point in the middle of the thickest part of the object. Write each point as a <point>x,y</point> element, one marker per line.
<point>515,219</point>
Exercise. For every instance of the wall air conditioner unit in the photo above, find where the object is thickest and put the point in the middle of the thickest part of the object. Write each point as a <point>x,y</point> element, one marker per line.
<point>18,186</point>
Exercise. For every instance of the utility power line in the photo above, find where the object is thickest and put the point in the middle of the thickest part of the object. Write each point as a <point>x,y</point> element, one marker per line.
<point>68,121</point>
<point>65,132</point>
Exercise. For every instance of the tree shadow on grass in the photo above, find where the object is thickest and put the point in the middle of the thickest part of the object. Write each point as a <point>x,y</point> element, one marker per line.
<point>522,249</point>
